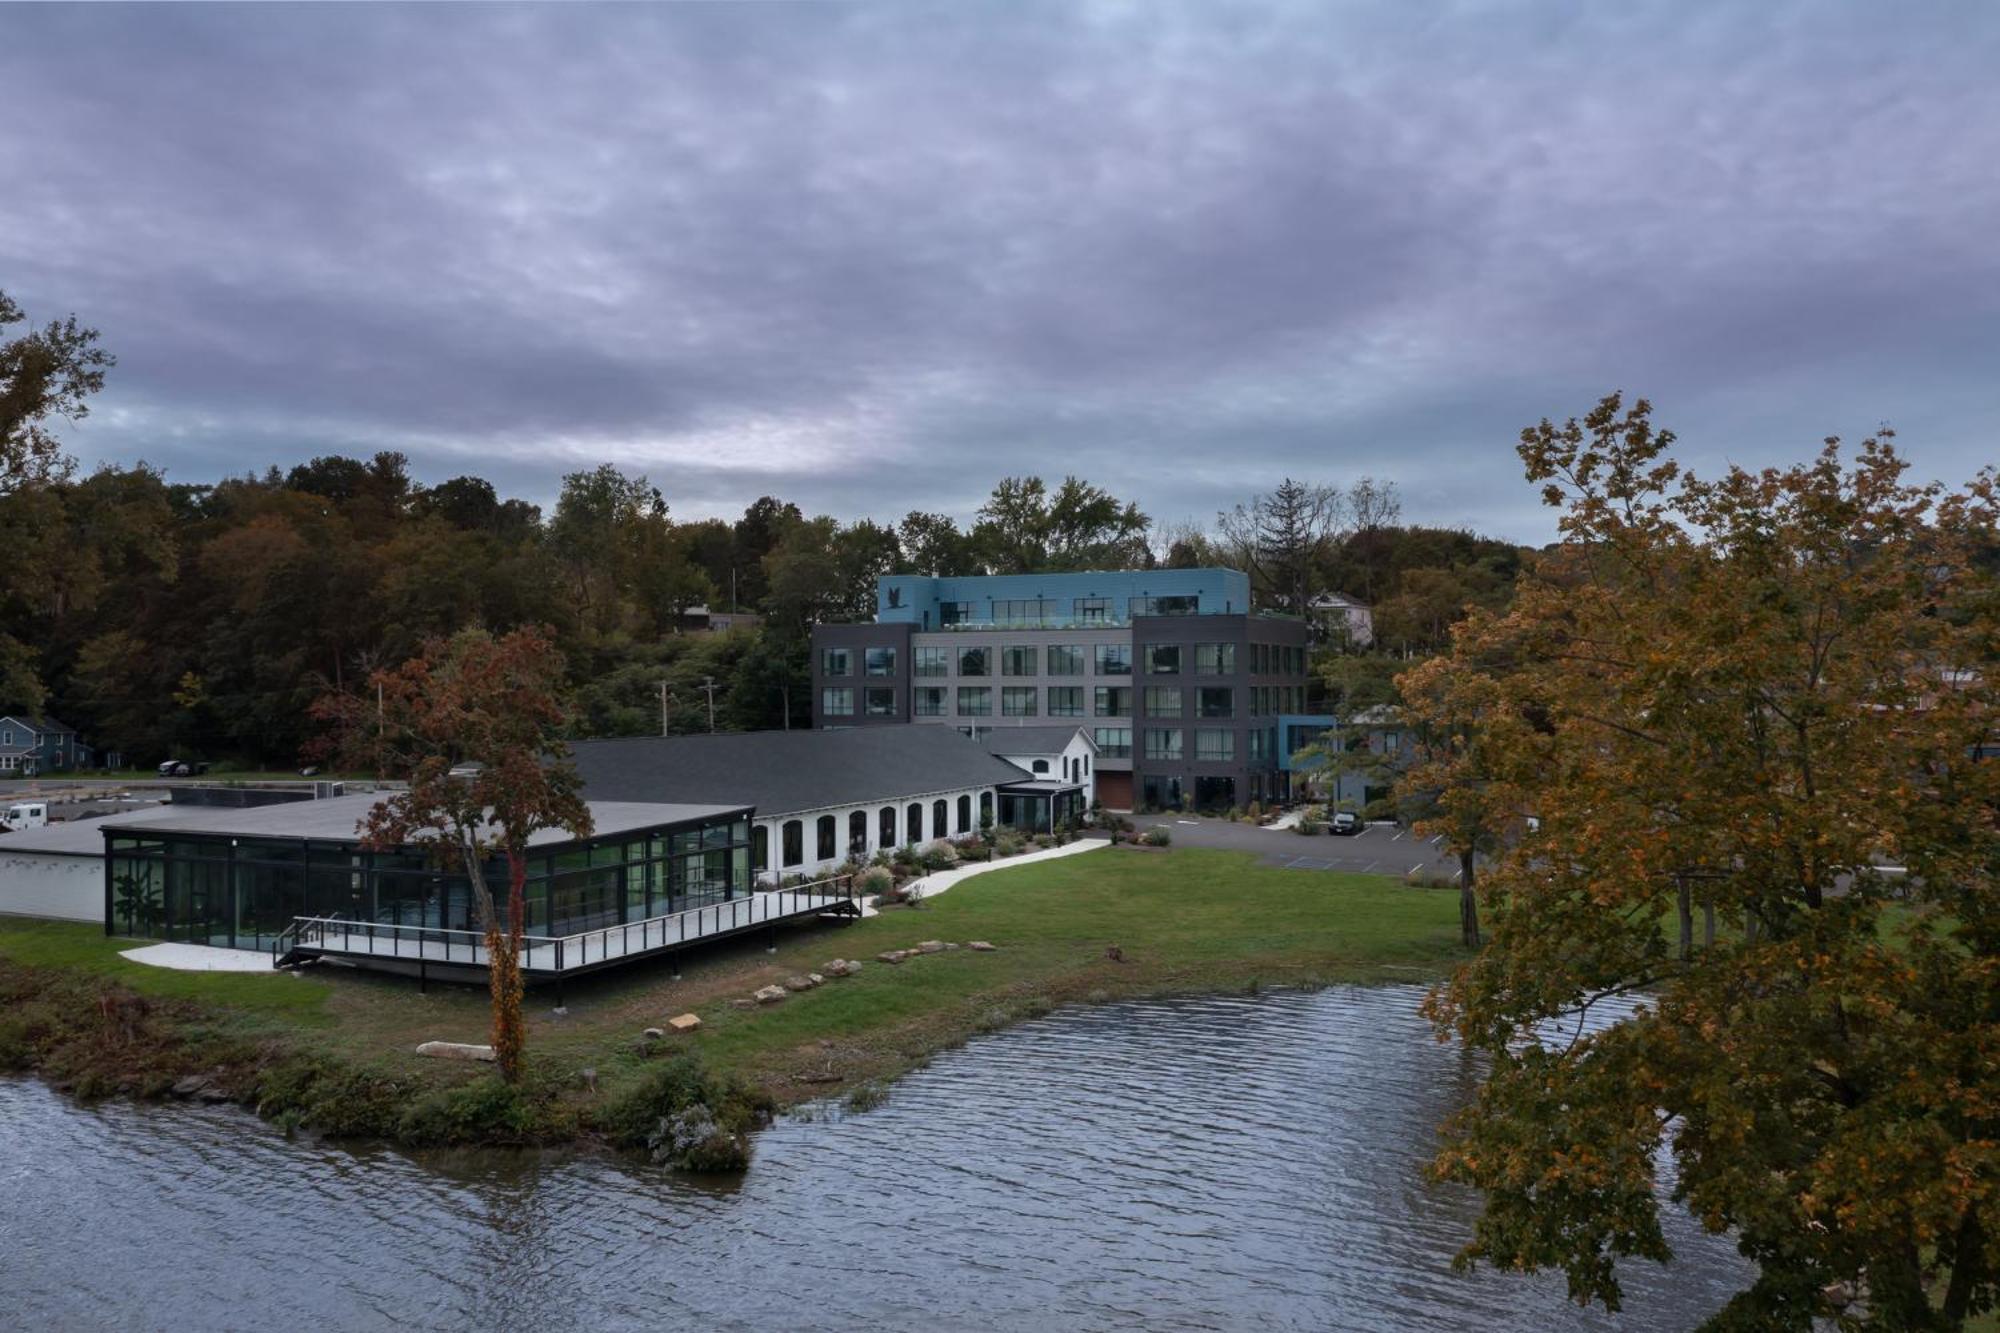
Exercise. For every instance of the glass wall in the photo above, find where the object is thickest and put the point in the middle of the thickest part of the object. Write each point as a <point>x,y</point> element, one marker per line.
<point>244,892</point>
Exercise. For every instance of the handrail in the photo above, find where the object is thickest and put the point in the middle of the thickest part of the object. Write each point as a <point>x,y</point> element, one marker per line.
<point>575,950</point>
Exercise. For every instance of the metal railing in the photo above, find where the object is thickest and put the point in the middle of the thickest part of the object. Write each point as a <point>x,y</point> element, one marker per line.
<point>555,954</point>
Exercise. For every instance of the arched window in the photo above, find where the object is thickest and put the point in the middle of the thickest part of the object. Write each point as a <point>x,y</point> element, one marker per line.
<point>985,808</point>
<point>760,848</point>
<point>885,832</point>
<point>829,838</point>
<point>1039,766</point>
<point>795,842</point>
<point>857,833</point>
<point>913,828</point>
<point>965,814</point>
<point>939,817</point>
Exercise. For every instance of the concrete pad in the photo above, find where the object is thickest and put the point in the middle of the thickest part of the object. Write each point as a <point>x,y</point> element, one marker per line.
<point>200,958</point>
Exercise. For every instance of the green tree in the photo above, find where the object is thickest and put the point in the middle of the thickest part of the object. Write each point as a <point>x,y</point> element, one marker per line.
<point>1753,694</point>
<point>48,372</point>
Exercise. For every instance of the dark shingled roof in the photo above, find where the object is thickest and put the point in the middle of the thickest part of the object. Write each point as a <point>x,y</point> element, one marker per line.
<point>783,772</point>
<point>1031,740</point>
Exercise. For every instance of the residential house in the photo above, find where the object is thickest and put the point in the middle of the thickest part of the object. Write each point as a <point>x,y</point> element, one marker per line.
<point>31,745</point>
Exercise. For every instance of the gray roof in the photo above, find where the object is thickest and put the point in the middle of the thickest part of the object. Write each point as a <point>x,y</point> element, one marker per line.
<point>80,837</point>
<point>338,819</point>
<point>784,772</point>
<point>1032,740</point>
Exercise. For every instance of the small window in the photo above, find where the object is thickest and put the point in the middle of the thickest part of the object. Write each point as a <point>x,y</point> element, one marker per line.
<point>857,833</point>
<point>1163,701</point>
<point>795,842</point>
<point>1092,610</point>
<point>886,827</point>
<point>836,662</point>
<point>829,838</point>
<point>880,661</point>
<point>1065,701</point>
<point>1215,701</point>
<point>913,823</point>
<point>1065,659</point>
<point>933,662</point>
<point>879,701</point>
<point>965,814</point>
<point>975,701</point>
<point>1215,659</point>
<point>1113,742</point>
<point>1019,701</point>
<point>837,701</point>
<point>1114,659</point>
<point>928,701</point>
<point>1114,701</point>
<point>1214,743</point>
<point>1038,766</point>
<point>975,661</point>
<point>1163,742</point>
<point>1163,659</point>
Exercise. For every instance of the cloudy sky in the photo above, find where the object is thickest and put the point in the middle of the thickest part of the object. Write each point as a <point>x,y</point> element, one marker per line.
<point>873,257</point>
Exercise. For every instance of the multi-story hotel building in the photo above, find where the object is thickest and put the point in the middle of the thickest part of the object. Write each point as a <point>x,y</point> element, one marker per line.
<point>1179,682</point>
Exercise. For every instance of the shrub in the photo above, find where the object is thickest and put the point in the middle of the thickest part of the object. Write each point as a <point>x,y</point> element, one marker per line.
<point>1157,836</point>
<point>484,1111</point>
<point>1308,827</point>
<point>874,881</point>
<point>685,1117</point>
<point>1009,843</point>
<point>939,856</point>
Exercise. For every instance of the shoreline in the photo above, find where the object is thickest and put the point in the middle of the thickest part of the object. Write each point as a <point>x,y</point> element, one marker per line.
<point>334,1055</point>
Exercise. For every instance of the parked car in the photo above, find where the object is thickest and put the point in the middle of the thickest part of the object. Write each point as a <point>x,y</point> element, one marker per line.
<point>182,768</point>
<point>1345,822</point>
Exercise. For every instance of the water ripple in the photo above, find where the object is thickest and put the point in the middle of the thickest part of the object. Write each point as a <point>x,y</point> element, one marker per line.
<point>1235,1163</point>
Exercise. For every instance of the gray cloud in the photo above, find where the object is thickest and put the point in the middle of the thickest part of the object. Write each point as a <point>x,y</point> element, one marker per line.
<point>873,257</point>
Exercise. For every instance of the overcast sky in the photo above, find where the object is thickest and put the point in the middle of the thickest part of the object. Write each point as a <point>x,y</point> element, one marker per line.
<point>873,257</point>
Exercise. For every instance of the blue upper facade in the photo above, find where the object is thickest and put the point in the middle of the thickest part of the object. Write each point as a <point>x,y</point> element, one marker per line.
<point>1058,601</point>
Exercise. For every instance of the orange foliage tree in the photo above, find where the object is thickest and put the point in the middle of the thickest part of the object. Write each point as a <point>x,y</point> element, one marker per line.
<point>474,725</point>
<point>1768,696</point>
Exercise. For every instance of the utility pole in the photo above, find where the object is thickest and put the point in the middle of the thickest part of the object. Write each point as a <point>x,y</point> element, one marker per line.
<point>708,684</point>
<point>665,710</point>
<point>785,693</point>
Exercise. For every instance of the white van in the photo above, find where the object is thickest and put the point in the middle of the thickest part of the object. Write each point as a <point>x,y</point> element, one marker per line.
<point>24,815</point>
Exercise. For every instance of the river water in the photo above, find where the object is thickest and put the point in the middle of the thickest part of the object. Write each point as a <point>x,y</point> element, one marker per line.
<point>1227,1163</point>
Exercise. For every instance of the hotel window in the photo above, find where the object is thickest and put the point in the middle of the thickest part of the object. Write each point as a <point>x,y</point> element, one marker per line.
<point>1114,659</point>
<point>879,661</point>
<point>1165,606</point>
<point>885,827</point>
<point>1092,610</point>
<point>1163,701</point>
<point>1215,701</point>
<point>1019,661</point>
<point>1113,742</point>
<point>857,833</point>
<point>975,700</point>
<point>1163,659</point>
<point>837,701</point>
<point>933,662</point>
<point>1214,743</point>
<point>879,701</point>
<point>1018,701</point>
<point>1215,659</point>
<point>836,662</point>
<point>795,842</point>
<point>928,701</point>
<point>954,613</point>
<point>1065,659</point>
<point>975,661</point>
<point>1066,701</point>
<point>1163,742</point>
<point>829,835</point>
<point>1114,701</point>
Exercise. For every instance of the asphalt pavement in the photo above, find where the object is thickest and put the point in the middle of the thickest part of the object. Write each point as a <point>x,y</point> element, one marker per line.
<point>1380,849</point>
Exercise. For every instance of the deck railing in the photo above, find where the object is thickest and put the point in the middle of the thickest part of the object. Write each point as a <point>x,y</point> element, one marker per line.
<point>552,955</point>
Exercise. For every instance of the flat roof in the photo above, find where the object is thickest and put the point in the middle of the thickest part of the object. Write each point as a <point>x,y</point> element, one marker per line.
<point>338,819</point>
<point>80,837</point>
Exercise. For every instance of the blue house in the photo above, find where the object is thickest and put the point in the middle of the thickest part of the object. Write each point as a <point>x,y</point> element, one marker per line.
<point>34,745</point>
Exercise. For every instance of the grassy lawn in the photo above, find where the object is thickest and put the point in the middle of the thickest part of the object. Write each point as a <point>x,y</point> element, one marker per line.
<point>1185,920</point>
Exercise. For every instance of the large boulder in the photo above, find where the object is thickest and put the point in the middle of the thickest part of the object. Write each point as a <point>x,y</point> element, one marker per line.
<point>455,1050</point>
<point>980,946</point>
<point>769,994</point>
<point>931,946</point>
<point>890,956</point>
<point>684,1022</point>
<point>799,983</point>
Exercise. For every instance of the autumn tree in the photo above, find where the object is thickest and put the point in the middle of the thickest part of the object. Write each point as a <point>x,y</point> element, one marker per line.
<point>1762,695</point>
<point>47,372</point>
<point>493,706</point>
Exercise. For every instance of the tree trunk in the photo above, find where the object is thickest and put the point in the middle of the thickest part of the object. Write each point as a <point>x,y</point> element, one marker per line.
<point>1468,901</point>
<point>1708,925</point>
<point>1685,907</point>
<point>503,971</point>
<point>1967,1269</point>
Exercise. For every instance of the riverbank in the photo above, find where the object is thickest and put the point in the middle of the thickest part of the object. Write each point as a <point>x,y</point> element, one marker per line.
<point>334,1051</point>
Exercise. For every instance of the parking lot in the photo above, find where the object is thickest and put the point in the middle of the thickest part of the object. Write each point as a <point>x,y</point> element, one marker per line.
<point>1379,849</point>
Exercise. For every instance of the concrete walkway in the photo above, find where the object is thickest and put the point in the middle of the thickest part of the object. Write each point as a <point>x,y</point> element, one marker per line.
<point>929,886</point>
<point>200,958</point>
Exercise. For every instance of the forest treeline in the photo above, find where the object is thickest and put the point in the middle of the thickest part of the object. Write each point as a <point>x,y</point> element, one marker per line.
<point>159,616</point>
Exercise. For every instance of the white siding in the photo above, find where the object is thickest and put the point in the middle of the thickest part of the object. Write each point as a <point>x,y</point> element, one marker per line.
<point>69,888</point>
<point>773,827</point>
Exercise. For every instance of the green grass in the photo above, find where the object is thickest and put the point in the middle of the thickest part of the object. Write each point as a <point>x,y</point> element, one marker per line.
<point>1186,921</point>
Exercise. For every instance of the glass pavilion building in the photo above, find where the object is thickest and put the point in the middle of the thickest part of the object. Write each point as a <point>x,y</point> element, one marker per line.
<point>236,878</point>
